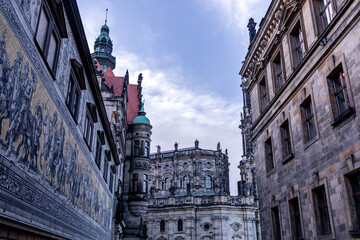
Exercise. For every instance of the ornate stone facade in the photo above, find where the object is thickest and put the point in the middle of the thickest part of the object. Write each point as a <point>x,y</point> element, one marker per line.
<point>302,75</point>
<point>190,199</point>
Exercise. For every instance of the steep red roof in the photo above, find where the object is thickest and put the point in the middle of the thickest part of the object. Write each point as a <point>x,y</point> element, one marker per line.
<point>117,84</point>
<point>133,103</point>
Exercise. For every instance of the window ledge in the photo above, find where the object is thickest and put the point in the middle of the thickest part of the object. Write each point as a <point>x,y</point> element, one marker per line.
<point>355,233</point>
<point>288,158</point>
<point>270,172</point>
<point>311,142</point>
<point>344,115</point>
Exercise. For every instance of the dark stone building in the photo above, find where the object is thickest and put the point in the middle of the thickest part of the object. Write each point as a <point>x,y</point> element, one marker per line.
<point>302,76</point>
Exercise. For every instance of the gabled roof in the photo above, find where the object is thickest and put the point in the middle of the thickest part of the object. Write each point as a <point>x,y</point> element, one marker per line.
<point>116,83</point>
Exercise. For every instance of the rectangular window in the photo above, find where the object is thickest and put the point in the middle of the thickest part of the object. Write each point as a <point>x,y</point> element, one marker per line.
<point>134,182</point>
<point>88,129</point>
<point>297,44</point>
<point>308,120</point>
<point>275,218</point>
<point>146,183</point>
<point>269,155</point>
<point>322,211</point>
<point>263,94</point>
<point>73,97</point>
<point>98,153</point>
<point>111,182</point>
<point>48,37</point>
<point>137,148</point>
<point>355,185</point>
<point>278,73</point>
<point>147,149</point>
<point>325,12</point>
<point>340,94</point>
<point>286,139</point>
<point>295,218</point>
<point>106,167</point>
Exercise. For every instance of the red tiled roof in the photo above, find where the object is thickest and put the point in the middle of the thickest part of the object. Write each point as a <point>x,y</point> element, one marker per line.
<point>133,103</point>
<point>117,83</point>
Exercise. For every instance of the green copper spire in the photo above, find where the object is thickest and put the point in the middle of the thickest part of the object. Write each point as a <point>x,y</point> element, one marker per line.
<point>141,118</point>
<point>103,48</point>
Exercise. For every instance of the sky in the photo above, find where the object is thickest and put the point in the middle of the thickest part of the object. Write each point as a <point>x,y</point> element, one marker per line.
<point>190,53</point>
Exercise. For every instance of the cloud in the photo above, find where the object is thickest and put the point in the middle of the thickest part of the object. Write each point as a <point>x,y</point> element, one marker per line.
<point>182,114</point>
<point>178,111</point>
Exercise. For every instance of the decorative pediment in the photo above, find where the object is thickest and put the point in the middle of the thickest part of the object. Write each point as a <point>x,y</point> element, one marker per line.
<point>287,12</point>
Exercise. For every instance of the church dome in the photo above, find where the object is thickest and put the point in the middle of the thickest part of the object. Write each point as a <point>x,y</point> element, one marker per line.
<point>142,118</point>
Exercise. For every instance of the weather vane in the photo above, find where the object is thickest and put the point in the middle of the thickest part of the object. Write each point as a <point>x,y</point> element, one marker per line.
<point>106,16</point>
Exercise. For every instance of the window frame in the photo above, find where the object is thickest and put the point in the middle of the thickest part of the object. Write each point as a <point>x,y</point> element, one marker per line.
<point>134,182</point>
<point>319,27</point>
<point>295,218</point>
<point>275,223</point>
<point>269,155</point>
<point>53,29</point>
<point>76,84</point>
<point>286,141</point>
<point>208,182</point>
<point>354,205</point>
<point>306,118</point>
<point>278,60</point>
<point>162,226</point>
<point>318,207</point>
<point>297,31</point>
<point>98,153</point>
<point>180,225</point>
<point>145,183</point>
<point>88,129</point>
<point>107,159</point>
<point>263,94</point>
<point>336,73</point>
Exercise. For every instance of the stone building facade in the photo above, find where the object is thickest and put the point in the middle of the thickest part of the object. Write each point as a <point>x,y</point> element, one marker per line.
<point>302,75</point>
<point>190,198</point>
<point>125,110</point>
<point>59,165</point>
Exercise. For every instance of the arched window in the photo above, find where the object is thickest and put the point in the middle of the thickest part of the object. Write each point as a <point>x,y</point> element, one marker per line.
<point>162,226</point>
<point>180,225</point>
<point>208,182</point>
<point>184,181</point>
<point>167,184</point>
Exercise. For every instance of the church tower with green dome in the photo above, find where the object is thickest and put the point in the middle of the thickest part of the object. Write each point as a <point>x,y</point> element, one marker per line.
<point>103,48</point>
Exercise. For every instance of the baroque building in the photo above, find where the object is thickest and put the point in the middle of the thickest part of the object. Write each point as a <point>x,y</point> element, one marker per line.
<point>301,74</point>
<point>190,197</point>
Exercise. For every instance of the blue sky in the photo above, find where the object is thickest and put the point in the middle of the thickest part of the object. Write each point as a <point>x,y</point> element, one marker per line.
<point>190,54</point>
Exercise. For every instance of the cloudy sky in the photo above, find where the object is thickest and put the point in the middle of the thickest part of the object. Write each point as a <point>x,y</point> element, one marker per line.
<point>190,54</point>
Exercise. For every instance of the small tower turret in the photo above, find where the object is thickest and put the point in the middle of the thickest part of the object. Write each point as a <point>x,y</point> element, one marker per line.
<point>103,48</point>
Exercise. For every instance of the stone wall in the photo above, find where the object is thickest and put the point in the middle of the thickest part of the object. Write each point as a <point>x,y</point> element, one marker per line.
<point>48,177</point>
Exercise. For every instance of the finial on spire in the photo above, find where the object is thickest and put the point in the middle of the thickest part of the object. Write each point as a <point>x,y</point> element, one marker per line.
<point>106,16</point>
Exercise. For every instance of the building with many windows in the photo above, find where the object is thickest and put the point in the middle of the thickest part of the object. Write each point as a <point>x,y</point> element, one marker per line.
<point>190,198</point>
<point>59,165</point>
<point>301,74</point>
<point>72,134</point>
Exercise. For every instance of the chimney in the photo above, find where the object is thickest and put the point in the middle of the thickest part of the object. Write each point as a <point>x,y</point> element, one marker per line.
<point>252,31</point>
